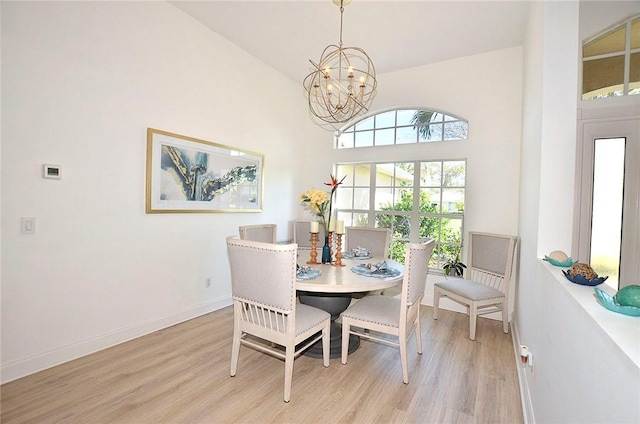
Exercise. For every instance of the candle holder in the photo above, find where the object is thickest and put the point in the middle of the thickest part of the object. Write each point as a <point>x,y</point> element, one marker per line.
<point>314,246</point>
<point>338,261</point>
<point>331,246</point>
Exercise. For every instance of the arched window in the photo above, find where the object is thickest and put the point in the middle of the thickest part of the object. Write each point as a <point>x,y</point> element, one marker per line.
<point>403,126</point>
<point>417,198</point>
<point>611,61</point>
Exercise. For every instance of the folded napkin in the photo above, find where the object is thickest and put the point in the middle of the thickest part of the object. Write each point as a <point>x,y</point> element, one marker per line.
<point>380,270</point>
<point>306,273</point>
<point>357,253</point>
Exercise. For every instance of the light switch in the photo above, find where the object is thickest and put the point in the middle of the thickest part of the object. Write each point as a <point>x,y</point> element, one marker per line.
<point>28,226</point>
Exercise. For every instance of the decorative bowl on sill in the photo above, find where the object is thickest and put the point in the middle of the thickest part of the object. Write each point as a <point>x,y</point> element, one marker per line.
<point>568,263</point>
<point>609,303</point>
<point>581,279</point>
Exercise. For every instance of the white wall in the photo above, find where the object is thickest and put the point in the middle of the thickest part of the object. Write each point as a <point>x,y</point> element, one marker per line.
<point>81,82</point>
<point>579,376</point>
<point>484,89</point>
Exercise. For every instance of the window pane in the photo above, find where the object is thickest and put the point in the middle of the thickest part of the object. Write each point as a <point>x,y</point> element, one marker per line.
<point>345,141</point>
<point>429,227</point>
<point>362,177</point>
<point>451,231</point>
<point>364,139</point>
<point>360,198</point>
<point>454,174</point>
<point>455,130</point>
<point>403,199</point>
<point>347,217</point>
<point>453,200</point>
<point>360,220</point>
<point>346,172</point>
<point>344,197</point>
<point>367,124</point>
<point>384,174</point>
<point>608,43</point>
<point>634,73</point>
<point>385,137</point>
<point>437,117</point>
<point>606,222</point>
<point>603,77</point>
<point>405,116</point>
<point>430,200</point>
<point>434,134</point>
<point>406,135</point>
<point>430,173</point>
<point>397,250</point>
<point>404,174</point>
<point>384,198</point>
<point>386,119</point>
<point>635,34</point>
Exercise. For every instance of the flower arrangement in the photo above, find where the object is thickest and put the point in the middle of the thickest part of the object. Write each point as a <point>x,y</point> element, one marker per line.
<point>320,202</point>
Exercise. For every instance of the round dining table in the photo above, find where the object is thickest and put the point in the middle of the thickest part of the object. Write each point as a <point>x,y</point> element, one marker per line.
<point>333,291</point>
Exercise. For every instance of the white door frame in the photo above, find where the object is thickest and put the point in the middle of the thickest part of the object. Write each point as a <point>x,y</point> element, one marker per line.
<point>627,127</point>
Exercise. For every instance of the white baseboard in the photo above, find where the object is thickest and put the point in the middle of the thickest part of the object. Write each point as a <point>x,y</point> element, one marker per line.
<point>523,373</point>
<point>23,367</point>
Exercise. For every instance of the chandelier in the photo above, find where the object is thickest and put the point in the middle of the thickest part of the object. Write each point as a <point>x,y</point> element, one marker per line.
<point>342,84</point>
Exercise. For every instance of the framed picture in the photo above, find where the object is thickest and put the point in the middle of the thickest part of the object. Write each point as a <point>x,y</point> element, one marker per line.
<point>187,175</point>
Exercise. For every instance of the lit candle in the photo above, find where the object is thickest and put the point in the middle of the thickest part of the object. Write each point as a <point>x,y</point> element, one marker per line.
<point>340,229</point>
<point>332,226</point>
<point>315,226</point>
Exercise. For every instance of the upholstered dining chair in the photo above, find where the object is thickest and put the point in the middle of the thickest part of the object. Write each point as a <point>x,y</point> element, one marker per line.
<point>375,240</point>
<point>302,234</point>
<point>488,276</point>
<point>392,315</point>
<point>266,233</point>
<point>263,278</point>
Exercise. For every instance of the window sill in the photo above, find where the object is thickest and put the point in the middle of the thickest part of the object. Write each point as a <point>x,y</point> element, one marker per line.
<point>623,330</point>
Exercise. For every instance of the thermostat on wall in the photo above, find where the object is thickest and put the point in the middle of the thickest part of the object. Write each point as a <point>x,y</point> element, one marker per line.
<point>52,171</point>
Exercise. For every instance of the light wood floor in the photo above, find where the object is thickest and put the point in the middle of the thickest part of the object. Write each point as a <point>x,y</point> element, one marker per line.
<point>181,375</point>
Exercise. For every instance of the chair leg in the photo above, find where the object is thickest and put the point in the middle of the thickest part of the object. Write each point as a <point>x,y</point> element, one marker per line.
<point>346,325</point>
<point>288,372</point>
<point>403,358</point>
<point>505,319</point>
<point>418,333</point>
<point>436,303</point>
<point>326,339</point>
<point>473,315</point>
<point>235,351</point>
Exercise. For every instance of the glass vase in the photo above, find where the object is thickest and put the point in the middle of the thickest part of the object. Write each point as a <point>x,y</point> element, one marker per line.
<point>326,251</point>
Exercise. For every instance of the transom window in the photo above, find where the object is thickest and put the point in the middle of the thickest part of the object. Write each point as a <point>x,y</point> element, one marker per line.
<point>415,199</point>
<point>611,62</point>
<point>403,126</point>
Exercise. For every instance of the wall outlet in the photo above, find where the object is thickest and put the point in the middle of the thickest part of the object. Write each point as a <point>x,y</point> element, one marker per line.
<point>207,282</point>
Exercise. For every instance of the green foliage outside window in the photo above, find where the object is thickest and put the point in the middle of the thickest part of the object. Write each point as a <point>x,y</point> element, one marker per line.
<point>447,239</point>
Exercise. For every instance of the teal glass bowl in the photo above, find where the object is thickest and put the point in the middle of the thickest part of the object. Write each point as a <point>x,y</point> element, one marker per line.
<point>567,263</point>
<point>607,301</point>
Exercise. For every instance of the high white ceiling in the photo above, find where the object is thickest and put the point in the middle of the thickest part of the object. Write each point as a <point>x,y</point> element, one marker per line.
<point>395,34</point>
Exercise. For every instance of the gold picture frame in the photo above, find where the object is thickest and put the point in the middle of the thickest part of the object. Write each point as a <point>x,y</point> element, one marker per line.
<point>188,175</point>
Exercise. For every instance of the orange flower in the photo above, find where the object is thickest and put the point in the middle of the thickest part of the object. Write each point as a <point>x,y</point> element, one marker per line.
<point>334,183</point>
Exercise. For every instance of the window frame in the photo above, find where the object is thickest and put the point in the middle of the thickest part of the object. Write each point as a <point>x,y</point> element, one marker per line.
<point>626,53</point>
<point>367,127</point>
